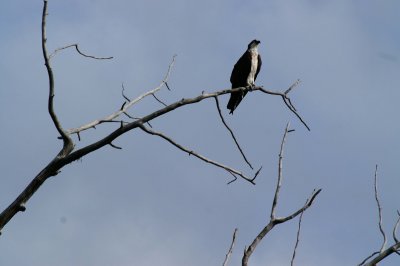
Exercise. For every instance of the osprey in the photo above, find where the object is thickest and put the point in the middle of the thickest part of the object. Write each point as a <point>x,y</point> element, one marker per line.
<point>244,73</point>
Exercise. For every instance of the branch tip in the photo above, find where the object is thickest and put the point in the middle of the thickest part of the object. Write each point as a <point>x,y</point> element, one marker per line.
<point>21,208</point>
<point>114,146</point>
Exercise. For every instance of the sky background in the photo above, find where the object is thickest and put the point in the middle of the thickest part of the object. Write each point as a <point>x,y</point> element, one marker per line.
<point>151,204</point>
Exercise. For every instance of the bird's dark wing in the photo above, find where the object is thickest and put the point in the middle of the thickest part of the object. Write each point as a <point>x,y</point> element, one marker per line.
<point>239,76</point>
<point>258,67</point>
<point>241,70</point>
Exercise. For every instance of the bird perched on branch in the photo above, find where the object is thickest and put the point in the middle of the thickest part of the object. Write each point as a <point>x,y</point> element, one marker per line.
<point>244,73</point>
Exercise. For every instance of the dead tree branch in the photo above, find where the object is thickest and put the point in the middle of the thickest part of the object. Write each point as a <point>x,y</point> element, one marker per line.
<point>228,255</point>
<point>158,100</point>
<point>395,228</point>
<point>68,155</point>
<point>378,256</point>
<point>126,106</point>
<point>79,52</point>
<point>297,240</point>
<point>287,100</point>
<point>68,144</point>
<point>59,162</point>
<point>273,219</point>
<point>379,209</point>
<point>201,157</point>
<point>231,131</point>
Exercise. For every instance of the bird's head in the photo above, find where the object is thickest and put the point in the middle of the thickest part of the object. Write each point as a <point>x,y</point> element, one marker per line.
<point>253,44</point>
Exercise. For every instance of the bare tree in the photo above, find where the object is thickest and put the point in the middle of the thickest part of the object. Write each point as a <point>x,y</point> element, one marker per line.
<point>69,154</point>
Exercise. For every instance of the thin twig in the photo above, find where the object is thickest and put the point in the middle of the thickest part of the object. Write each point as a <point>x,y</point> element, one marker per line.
<point>297,239</point>
<point>279,182</point>
<point>166,84</point>
<point>233,180</point>
<point>230,130</point>
<point>395,228</point>
<point>286,100</point>
<point>123,94</point>
<point>158,100</point>
<point>289,104</point>
<point>314,194</point>
<point>297,82</point>
<point>114,146</point>
<point>201,157</point>
<point>79,51</point>
<point>379,209</point>
<point>228,255</point>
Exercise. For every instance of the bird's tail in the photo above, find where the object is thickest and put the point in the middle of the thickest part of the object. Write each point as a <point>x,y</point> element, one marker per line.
<point>236,98</point>
<point>232,103</point>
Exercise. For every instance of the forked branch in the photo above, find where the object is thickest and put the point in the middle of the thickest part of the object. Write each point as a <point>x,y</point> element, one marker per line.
<point>378,256</point>
<point>379,209</point>
<point>126,105</point>
<point>68,144</point>
<point>273,220</point>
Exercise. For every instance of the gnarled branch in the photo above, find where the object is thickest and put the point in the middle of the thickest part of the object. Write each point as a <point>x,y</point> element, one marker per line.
<point>68,144</point>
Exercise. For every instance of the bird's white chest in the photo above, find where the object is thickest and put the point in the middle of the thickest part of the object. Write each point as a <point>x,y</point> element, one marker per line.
<point>253,67</point>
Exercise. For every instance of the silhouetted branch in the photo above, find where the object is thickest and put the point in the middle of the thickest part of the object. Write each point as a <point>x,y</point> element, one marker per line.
<point>286,100</point>
<point>228,255</point>
<point>314,194</point>
<point>79,52</point>
<point>201,157</point>
<point>68,144</point>
<point>233,180</point>
<point>297,82</point>
<point>378,256</point>
<point>123,94</point>
<point>273,220</point>
<point>367,258</point>
<point>379,209</point>
<point>279,183</point>
<point>382,255</point>
<point>126,106</point>
<point>158,100</point>
<point>297,239</point>
<point>395,228</point>
<point>230,131</point>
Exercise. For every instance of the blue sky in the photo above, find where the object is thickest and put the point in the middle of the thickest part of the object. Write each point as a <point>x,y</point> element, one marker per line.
<point>150,204</point>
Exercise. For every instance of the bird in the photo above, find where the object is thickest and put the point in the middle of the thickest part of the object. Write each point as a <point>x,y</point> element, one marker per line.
<point>244,73</point>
